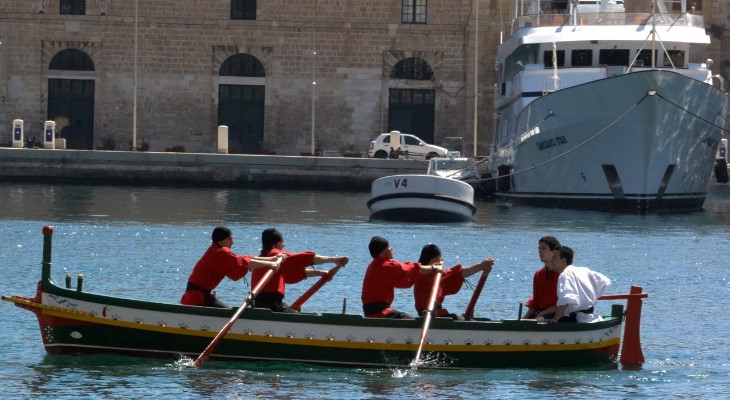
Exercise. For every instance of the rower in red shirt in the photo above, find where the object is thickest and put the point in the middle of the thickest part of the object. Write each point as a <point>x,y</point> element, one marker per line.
<point>294,269</point>
<point>384,275</point>
<point>451,281</point>
<point>217,263</point>
<point>544,282</point>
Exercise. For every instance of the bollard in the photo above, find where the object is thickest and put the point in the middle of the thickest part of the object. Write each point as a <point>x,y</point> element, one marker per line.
<point>68,281</point>
<point>80,282</point>
<point>49,135</point>
<point>223,139</point>
<point>18,133</point>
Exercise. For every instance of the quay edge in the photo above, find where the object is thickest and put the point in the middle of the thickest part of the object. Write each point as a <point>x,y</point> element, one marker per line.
<point>198,169</point>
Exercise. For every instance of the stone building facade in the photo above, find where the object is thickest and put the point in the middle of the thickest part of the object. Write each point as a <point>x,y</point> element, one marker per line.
<point>288,76</point>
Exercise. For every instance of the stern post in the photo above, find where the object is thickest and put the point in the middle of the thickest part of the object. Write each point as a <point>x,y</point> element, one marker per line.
<point>631,347</point>
<point>46,263</point>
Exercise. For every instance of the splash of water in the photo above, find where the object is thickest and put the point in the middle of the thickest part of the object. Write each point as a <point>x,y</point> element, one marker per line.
<point>184,362</point>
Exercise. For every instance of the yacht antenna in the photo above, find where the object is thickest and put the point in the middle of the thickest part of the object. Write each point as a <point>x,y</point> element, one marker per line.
<point>574,12</point>
<point>653,34</point>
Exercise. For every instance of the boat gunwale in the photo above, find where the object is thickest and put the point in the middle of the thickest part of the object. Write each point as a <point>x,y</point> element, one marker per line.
<point>336,319</point>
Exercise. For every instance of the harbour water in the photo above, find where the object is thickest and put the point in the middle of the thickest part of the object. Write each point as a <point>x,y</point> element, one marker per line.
<point>143,242</point>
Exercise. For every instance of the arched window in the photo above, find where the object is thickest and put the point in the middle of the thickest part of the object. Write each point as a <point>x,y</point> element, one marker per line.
<point>412,68</point>
<point>242,65</point>
<point>71,60</point>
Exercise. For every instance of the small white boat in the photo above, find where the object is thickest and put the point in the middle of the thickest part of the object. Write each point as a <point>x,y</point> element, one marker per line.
<point>460,168</point>
<point>427,198</point>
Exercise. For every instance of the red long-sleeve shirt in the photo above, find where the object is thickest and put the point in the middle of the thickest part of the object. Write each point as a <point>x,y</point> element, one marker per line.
<point>290,271</point>
<point>544,289</point>
<point>451,282</point>
<point>216,264</point>
<point>383,276</point>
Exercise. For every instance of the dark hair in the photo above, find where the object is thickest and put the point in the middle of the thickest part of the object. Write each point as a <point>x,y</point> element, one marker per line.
<point>566,253</point>
<point>220,233</point>
<point>377,245</point>
<point>551,241</point>
<point>428,252</point>
<point>269,238</point>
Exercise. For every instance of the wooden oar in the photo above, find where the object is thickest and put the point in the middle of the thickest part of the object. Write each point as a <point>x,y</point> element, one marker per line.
<point>317,285</point>
<point>427,321</point>
<point>469,313</point>
<point>227,327</point>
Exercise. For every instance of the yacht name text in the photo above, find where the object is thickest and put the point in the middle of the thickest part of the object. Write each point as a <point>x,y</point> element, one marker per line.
<point>554,142</point>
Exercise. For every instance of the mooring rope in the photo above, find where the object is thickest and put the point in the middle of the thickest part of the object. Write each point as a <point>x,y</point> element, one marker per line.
<point>594,136</point>
<point>695,115</point>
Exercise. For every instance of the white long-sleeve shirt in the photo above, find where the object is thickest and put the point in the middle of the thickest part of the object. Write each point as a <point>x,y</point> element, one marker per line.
<point>579,288</point>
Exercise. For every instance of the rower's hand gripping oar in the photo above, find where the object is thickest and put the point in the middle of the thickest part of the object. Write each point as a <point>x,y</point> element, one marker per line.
<point>427,321</point>
<point>227,327</point>
<point>317,285</point>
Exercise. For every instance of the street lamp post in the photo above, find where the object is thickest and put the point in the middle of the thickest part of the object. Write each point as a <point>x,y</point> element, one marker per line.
<point>314,84</point>
<point>476,76</point>
<point>134,89</point>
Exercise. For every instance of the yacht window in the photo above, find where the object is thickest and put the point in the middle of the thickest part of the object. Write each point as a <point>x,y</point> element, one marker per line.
<point>677,57</point>
<point>581,58</point>
<point>548,57</point>
<point>644,58</point>
<point>613,57</point>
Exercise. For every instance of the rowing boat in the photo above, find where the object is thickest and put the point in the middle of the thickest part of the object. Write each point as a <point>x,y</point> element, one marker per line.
<point>75,321</point>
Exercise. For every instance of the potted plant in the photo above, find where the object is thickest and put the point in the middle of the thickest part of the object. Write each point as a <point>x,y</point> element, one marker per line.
<point>142,146</point>
<point>61,122</point>
<point>107,143</point>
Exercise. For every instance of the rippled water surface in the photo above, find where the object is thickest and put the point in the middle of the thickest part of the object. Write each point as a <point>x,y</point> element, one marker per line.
<point>143,242</point>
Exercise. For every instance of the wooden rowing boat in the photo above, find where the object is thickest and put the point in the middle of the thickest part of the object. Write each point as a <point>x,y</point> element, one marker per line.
<point>75,321</point>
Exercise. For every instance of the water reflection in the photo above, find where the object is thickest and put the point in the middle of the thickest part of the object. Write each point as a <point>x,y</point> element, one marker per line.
<point>170,205</point>
<point>99,204</point>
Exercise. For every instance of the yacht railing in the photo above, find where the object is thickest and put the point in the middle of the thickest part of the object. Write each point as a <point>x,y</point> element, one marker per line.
<point>607,19</point>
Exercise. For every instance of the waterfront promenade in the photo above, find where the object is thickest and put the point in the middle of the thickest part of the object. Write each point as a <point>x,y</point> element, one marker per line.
<point>198,169</point>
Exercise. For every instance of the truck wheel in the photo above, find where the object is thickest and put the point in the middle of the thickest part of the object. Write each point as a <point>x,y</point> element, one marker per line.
<point>380,154</point>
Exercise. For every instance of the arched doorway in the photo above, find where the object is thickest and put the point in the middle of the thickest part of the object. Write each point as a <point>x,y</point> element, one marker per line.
<point>71,99</point>
<point>241,105</point>
<point>412,110</point>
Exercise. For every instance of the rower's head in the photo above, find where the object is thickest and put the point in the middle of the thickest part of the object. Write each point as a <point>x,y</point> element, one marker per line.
<point>430,254</point>
<point>379,247</point>
<point>566,253</point>
<point>546,247</point>
<point>563,257</point>
<point>222,236</point>
<point>271,239</point>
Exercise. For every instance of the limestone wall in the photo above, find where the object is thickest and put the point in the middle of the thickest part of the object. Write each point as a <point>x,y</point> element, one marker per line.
<point>181,45</point>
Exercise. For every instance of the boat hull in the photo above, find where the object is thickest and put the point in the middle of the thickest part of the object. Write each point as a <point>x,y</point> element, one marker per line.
<point>421,198</point>
<point>640,142</point>
<point>77,322</point>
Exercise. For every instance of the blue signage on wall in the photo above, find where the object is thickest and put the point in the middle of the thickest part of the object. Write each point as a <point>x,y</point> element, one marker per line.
<point>49,134</point>
<point>16,133</point>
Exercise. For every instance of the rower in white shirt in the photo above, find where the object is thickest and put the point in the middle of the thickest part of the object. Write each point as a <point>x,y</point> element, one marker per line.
<point>578,289</point>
